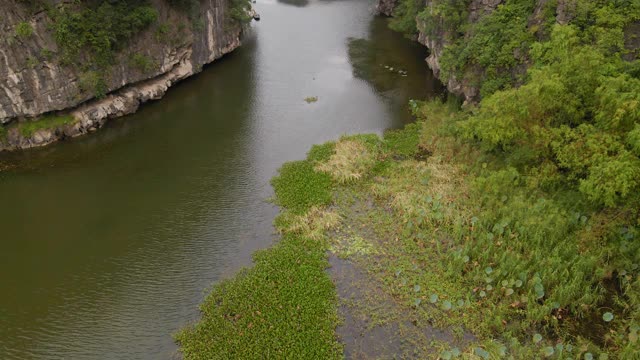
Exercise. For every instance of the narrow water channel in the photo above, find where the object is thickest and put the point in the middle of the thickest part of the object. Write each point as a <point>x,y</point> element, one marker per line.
<point>109,242</point>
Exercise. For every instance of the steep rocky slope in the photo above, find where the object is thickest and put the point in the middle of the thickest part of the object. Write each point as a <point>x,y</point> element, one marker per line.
<point>34,81</point>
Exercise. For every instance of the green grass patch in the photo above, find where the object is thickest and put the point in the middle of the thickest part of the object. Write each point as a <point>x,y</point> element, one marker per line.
<point>24,30</point>
<point>299,187</point>
<point>283,307</point>
<point>322,152</point>
<point>27,129</point>
<point>403,142</point>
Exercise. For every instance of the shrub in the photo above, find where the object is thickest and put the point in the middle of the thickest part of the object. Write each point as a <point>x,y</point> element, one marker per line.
<point>142,62</point>
<point>97,33</point>
<point>404,17</point>
<point>24,30</point>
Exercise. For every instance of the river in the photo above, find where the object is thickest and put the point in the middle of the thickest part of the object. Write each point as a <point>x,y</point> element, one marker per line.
<point>109,241</point>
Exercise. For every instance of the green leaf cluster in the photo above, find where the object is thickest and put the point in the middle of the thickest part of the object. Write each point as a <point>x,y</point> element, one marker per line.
<point>577,117</point>
<point>95,33</point>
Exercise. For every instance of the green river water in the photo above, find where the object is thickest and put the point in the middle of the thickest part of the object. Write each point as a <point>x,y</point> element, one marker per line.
<point>110,241</point>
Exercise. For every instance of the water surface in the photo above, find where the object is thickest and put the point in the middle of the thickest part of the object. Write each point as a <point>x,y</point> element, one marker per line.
<point>109,242</point>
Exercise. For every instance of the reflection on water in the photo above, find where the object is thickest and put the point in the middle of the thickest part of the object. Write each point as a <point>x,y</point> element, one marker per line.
<point>295,2</point>
<point>109,241</point>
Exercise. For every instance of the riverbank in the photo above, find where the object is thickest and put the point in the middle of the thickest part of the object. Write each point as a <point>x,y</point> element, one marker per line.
<point>438,251</point>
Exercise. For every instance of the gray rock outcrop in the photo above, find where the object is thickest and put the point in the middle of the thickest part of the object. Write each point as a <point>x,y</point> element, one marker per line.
<point>33,83</point>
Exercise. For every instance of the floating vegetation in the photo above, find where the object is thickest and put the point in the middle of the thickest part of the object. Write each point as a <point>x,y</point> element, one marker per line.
<point>311,99</point>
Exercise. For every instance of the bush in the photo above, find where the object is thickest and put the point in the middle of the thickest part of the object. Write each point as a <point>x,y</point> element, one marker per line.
<point>142,62</point>
<point>93,35</point>
<point>24,30</point>
<point>404,17</point>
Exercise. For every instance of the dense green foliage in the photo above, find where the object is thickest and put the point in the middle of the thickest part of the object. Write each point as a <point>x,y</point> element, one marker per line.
<point>496,44</point>
<point>404,16</point>
<point>239,11</point>
<point>445,18</point>
<point>97,32</point>
<point>298,178</point>
<point>574,122</point>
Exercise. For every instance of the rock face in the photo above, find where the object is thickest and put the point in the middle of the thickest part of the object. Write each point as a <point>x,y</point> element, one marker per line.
<point>385,7</point>
<point>32,84</point>
<point>437,43</point>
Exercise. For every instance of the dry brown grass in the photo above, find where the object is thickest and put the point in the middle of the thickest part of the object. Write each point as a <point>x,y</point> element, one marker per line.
<point>311,224</point>
<point>350,162</point>
<point>428,190</point>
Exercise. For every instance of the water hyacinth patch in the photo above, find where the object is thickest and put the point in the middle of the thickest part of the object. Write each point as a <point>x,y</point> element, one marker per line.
<point>537,338</point>
<point>481,352</point>
<point>548,351</point>
<point>539,290</point>
<point>455,352</point>
<point>502,350</point>
<point>508,292</point>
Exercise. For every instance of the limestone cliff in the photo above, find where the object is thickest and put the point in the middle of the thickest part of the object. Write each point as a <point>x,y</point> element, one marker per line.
<point>437,42</point>
<point>385,7</point>
<point>34,82</point>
